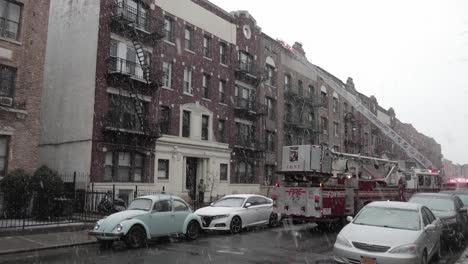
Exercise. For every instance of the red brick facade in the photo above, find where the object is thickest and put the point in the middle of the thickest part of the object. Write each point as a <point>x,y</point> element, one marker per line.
<point>26,53</point>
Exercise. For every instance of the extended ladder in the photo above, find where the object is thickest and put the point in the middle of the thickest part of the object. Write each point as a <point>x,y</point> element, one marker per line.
<point>411,151</point>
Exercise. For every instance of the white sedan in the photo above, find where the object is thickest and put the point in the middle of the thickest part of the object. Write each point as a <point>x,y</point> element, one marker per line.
<point>235,212</point>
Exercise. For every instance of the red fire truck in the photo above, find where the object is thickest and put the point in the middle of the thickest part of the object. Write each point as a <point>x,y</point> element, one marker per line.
<point>324,186</point>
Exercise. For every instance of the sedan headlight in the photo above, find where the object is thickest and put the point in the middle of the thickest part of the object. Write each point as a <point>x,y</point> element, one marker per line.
<point>340,240</point>
<point>96,226</point>
<point>220,216</point>
<point>406,249</point>
<point>119,227</point>
<point>449,221</point>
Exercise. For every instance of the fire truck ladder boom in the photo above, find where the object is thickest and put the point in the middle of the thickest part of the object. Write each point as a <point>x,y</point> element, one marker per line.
<point>411,151</point>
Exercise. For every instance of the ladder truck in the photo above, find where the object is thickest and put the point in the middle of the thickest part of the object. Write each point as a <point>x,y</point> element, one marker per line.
<point>324,186</point>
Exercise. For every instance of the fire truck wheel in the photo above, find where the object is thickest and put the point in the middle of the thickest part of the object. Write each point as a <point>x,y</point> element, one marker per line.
<point>273,221</point>
<point>236,225</point>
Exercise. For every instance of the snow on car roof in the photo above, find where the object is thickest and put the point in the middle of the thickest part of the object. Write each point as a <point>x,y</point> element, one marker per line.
<point>396,205</point>
<point>241,195</point>
<point>156,197</point>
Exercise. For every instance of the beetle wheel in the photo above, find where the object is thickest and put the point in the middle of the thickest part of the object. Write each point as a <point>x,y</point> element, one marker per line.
<point>193,229</point>
<point>136,237</point>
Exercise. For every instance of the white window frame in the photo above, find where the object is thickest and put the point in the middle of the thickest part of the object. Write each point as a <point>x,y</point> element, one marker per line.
<point>187,81</point>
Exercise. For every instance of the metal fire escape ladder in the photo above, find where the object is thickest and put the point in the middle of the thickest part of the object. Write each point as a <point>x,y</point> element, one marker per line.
<point>411,151</point>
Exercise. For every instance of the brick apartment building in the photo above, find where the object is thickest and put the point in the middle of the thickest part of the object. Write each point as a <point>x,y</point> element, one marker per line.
<point>160,94</point>
<point>23,31</point>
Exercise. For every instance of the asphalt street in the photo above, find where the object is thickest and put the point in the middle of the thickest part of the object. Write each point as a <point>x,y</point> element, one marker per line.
<point>287,244</point>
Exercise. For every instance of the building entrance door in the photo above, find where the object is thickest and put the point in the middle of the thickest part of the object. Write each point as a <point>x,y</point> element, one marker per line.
<point>191,177</point>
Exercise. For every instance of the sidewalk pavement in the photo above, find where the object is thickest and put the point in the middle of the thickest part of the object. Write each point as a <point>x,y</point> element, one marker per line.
<point>34,242</point>
<point>463,258</point>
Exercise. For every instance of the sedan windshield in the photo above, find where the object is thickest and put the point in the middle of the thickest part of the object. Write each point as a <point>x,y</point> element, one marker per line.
<point>140,204</point>
<point>435,203</point>
<point>389,217</point>
<point>229,202</point>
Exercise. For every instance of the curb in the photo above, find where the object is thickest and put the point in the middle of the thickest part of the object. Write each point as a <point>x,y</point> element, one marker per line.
<point>26,250</point>
<point>46,229</point>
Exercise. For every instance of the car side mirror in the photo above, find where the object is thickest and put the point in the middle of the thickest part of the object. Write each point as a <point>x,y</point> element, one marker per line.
<point>430,228</point>
<point>247,205</point>
<point>349,218</point>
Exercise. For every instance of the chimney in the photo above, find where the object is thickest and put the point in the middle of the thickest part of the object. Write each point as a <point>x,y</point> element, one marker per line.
<point>350,83</point>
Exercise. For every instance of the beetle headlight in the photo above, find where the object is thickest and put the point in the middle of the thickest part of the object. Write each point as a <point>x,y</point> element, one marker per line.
<point>119,227</point>
<point>96,226</point>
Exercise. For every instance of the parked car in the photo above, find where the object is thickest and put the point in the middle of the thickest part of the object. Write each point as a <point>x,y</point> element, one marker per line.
<point>449,208</point>
<point>461,193</point>
<point>148,217</point>
<point>235,212</point>
<point>390,232</point>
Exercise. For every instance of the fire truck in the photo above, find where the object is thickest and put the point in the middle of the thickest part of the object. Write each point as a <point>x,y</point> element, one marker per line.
<point>321,185</point>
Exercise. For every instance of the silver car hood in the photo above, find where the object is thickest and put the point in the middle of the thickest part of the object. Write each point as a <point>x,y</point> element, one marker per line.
<point>444,214</point>
<point>375,235</point>
<point>212,210</point>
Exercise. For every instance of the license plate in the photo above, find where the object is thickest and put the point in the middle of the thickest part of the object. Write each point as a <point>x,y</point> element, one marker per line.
<point>366,260</point>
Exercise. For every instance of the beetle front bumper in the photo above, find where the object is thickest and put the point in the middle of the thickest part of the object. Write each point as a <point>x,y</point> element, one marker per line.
<point>106,235</point>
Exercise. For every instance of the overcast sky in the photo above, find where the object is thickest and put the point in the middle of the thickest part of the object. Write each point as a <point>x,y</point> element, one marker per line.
<point>411,54</point>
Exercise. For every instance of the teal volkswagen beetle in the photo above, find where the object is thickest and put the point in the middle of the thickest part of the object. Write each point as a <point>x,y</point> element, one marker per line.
<point>148,217</point>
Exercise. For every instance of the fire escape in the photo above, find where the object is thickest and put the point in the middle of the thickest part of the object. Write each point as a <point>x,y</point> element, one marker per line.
<point>300,119</point>
<point>129,121</point>
<point>249,143</point>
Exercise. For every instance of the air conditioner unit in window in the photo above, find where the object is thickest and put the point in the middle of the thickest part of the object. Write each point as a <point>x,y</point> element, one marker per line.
<point>7,101</point>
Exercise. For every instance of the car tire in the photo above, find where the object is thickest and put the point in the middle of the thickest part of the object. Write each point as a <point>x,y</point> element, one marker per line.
<point>273,220</point>
<point>236,225</point>
<point>424,257</point>
<point>136,237</point>
<point>193,230</point>
<point>105,244</point>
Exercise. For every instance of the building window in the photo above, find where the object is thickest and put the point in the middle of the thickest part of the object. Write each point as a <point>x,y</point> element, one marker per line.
<point>205,125</point>
<point>10,15</point>
<point>270,75</point>
<point>244,135</point>
<point>223,53</point>
<point>270,140</point>
<point>269,174</point>
<point>345,107</point>
<point>163,169</point>
<point>287,82</point>
<point>300,88</point>
<point>271,108</point>
<point>187,81</point>
<point>222,130</point>
<point>335,104</point>
<point>4,143</point>
<point>222,91</point>
<point>207,46</point>
<point>289,111</point>
<point>245,61</point>
<point>311,118</point>
<point>311,90</point>
<point>206,85</point>
<point>167,74</point>
<point>7,81</point>
<point>188,38</point>
<point>186,124</point>
<point>244,173</point>
<point>324,99</point>
<point>124,167</point>
<point>123,114</point>
<point>336,129</point>
<point>324,125</point>
<point>164,119</point>
<point>169,29</point>
<point>223,172</point>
